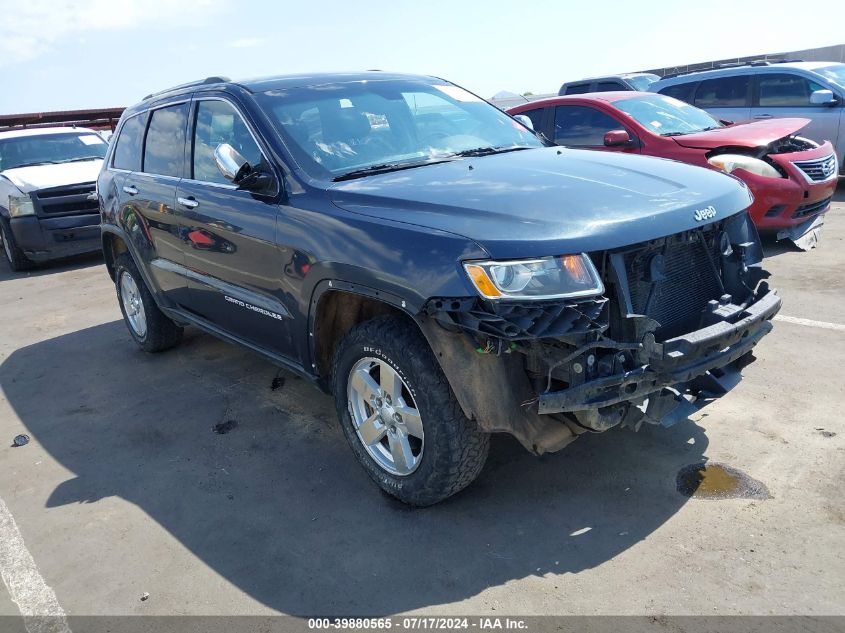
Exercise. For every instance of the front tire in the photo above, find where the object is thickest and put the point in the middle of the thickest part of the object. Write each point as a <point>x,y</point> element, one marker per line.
<point>14,256</point>
<point>151,329</point>
<point>400,416</point>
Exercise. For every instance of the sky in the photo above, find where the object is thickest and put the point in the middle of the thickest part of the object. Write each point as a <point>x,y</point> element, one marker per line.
<point>73,54</point>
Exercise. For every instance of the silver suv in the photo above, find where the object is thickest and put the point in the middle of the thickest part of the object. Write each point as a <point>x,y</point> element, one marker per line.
<point>761,90</point>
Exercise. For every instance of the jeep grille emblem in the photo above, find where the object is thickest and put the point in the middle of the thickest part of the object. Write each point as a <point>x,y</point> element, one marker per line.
<point>705,214</point>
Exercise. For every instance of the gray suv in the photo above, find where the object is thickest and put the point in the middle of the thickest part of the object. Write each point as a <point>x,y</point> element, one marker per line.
<point>609,83</point>
<point>760,90</point>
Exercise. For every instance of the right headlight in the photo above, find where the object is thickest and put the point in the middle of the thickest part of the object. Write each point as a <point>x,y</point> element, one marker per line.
<point>568,276</point>
<point>20,206</point>
<point>728,162</point>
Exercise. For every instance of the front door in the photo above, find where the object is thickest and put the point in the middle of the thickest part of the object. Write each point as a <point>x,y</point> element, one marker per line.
<point>229,241</point>
<point>584,127</point>
<point>788,95</point>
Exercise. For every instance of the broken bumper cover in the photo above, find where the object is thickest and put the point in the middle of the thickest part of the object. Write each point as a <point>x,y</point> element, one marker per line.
<point>676,361</point>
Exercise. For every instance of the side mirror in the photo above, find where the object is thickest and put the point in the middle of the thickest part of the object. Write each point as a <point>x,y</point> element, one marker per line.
<point>822,97</point>
<point>525,120</point>
<point>617,138</point>
<point>231,164</point>
<point>726,122</point>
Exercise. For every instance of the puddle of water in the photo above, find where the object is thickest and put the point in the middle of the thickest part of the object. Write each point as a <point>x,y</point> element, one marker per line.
<point>718,481</point>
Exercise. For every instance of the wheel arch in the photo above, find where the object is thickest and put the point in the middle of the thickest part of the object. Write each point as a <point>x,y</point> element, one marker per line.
<point>336,307</point>
<point>113,246</point>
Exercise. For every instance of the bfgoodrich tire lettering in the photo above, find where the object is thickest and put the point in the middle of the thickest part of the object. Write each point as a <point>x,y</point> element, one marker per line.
<point>159,332</point>
<point>454,449</point>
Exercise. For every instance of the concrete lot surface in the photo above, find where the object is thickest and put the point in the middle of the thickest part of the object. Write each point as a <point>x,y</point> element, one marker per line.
<point>125,489</point>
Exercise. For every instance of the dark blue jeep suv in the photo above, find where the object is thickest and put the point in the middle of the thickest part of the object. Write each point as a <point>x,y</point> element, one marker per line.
<point>432,263</point>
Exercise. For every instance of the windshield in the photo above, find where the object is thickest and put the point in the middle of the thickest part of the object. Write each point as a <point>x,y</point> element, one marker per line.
<point>836,74</point>
<point>46,149</point>
<point>642,82</point>
<point>338,130</point>
<point>666,116</point>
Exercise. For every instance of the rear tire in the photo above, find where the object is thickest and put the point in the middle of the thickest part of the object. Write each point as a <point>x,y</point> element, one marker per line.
<point>14,256</point>
<point>151,329</point>
<point>431,450</point>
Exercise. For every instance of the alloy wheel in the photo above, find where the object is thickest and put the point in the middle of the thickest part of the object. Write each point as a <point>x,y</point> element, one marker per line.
<point>385,416</point>
<point>133,306</point>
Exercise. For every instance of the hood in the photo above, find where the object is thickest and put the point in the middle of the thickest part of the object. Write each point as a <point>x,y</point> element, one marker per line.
<point>550,201</point>
<point>42,176</point>
<point>750,134</point>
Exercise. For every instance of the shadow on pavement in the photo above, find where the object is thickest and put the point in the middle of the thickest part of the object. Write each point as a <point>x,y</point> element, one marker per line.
<point>279,508</point>
<point>52,267</point>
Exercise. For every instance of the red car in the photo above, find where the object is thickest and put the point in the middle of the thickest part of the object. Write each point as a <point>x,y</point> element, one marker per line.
<point>792,178</point>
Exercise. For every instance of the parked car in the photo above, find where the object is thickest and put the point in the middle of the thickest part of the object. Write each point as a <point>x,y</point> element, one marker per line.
<point>759,90</point>
<point>609,83</point>
<point>48,208</point>
<point>792,178</point>
<point>428,260</point>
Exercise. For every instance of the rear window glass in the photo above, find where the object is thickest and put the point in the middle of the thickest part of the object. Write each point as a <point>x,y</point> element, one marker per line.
<point>577,89</point>
<point>164,148</point>
<point>609,86</point>
<point>681,92</point>
<point>724,92</point>
<point>127,150</point>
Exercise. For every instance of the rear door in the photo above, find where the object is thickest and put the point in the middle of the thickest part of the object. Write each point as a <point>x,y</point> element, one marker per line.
<point>230,248</point>
<point>726,98</point>
<point>584,127</point>
<point>787,94</point>
<point>151,195</point>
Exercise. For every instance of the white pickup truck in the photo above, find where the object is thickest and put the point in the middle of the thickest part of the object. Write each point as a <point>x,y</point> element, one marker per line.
<point>48,203</point>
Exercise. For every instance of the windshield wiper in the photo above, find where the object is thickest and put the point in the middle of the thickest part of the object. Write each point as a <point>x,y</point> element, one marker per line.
<point>78,160</point>
<point>705,129</point>
<point>384,168</point>
<point>35,164</point>
<point>486,151</point>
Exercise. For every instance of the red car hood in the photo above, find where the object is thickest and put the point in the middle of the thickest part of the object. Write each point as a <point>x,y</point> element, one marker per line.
<point>750,134</point>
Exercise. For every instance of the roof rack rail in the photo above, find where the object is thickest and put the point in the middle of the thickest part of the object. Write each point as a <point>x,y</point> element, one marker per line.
<point>753,62</point>
<point>199,82</point>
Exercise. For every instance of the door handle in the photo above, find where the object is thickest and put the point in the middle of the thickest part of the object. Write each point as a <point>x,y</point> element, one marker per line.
<point>188,203</point>
<point>762,116</point>
<point>132,190</point>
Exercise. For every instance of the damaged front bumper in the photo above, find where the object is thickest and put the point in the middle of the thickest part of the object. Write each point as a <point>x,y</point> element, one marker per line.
<point>677,361</point>
<point>676,324</point>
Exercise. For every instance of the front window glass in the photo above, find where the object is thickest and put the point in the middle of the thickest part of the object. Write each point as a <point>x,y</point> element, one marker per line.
<point>218,123</point>
<point>642,82</point>
<point>836,74</point>
<point>783,90</point>
<point>49,149</point>
<point>336,129</point>
<point>536,116</point>
<point>580,126</point>
<point>666,116</point>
